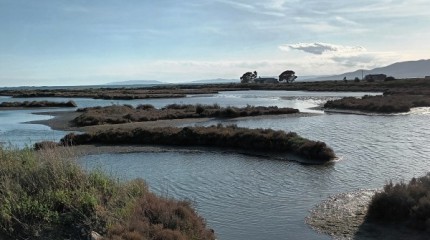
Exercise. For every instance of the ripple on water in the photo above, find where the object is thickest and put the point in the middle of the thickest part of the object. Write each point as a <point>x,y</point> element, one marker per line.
<point>238,194</point>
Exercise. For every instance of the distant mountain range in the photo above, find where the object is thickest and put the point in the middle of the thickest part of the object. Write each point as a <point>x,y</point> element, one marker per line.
<point>409,69</point>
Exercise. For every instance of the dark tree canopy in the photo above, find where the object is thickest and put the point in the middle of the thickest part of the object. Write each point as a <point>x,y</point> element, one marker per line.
<point>288,76</point>
<point>248,77</point>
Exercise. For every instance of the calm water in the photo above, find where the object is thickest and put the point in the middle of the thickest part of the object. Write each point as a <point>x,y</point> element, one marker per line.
<point>248,197</point>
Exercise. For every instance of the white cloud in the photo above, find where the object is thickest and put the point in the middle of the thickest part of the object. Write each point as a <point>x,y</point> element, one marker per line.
<point>320,48</point>
<point>340,58</point>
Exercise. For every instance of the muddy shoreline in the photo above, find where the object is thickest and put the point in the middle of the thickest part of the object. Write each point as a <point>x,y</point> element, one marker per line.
<point>343,216</point>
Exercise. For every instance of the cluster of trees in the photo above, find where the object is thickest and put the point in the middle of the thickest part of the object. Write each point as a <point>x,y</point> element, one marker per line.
<point>287,76</point>
<point>248,77</point>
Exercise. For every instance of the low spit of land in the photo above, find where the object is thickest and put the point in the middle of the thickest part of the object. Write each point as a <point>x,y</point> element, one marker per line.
<point>116,114</point>
<point>36,104</point>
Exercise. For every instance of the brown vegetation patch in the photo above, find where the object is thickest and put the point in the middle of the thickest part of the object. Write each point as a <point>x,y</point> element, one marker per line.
<point>124,114</point>
<point>264,140</point>
<point>37,104</point>
<point>381,104</point>
<point>164,220</point>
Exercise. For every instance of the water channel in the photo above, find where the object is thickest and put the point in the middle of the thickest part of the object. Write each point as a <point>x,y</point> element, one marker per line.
<point>252,197</point>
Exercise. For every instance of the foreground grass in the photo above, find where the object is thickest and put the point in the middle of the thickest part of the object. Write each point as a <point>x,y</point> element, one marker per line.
<point>395,103</point>
<point>123,114</point>
<point>45,196</point>
<point>263,140</point>
<point>406,203</point>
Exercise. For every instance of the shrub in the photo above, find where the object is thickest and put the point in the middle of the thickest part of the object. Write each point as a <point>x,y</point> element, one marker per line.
<point>199,109</point>
<point>145,106</point>
<point>179,106</point>
<point>407,203</point>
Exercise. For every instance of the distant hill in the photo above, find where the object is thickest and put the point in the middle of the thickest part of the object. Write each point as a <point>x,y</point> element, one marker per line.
<point>136,82</point>
<point>217,80</point>
<point>409,69</point>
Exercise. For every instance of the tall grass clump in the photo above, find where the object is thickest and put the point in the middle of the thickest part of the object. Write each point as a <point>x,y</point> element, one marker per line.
<point>407,203</point>
<point>46,195</point>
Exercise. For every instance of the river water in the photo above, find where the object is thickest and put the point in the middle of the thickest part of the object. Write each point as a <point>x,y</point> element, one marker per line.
<point>251,197</point>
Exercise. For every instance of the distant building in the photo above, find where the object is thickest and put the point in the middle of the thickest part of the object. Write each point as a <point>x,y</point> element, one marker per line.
<point>427,77</point>
<point>375,77</point>
<point>265,80</point>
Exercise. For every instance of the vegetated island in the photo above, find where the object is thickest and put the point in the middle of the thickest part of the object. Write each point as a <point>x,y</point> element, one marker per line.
<point>399,97</point>
<point>47,195</point>
<point>230,137</point>
<point>117,114</point>
<point>393,103</point>
<point>37,104</point>
<point>398,211</point>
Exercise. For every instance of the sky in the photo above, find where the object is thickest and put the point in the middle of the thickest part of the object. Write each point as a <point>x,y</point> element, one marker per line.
<point>81,42</point>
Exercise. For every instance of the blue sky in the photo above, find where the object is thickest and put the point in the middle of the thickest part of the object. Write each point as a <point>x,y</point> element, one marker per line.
<point>81,42</point>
